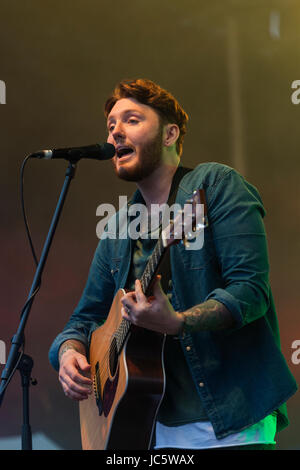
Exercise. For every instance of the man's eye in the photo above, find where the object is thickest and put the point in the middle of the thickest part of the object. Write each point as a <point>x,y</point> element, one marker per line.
<point>133,121</point>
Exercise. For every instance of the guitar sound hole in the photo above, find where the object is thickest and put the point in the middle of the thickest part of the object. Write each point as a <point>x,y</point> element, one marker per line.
<point>113,357</point>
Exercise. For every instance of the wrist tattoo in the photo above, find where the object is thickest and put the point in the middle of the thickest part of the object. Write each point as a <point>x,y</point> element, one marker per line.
<point>69,345</point>
<point>208,316</point>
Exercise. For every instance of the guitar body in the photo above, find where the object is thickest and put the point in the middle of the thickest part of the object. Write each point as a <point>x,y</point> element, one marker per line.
<point>128,386</point>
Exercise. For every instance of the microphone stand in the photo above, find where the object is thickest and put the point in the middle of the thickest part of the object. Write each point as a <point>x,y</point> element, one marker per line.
<point>16,358</point>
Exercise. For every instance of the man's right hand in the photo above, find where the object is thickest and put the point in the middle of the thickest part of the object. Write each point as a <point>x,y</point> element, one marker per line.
<point>74,371</point>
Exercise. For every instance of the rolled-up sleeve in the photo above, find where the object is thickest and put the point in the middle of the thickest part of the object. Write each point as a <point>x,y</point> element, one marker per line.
<point>93,306</point>
<point>236,218</point>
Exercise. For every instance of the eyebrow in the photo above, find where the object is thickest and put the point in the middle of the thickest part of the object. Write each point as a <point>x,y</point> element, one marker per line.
<point>127,111</point>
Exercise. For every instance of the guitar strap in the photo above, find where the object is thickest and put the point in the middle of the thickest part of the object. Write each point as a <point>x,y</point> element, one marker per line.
<point>165,266</point>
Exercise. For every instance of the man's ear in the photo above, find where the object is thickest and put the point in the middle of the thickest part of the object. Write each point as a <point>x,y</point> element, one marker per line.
<point>171,134</point>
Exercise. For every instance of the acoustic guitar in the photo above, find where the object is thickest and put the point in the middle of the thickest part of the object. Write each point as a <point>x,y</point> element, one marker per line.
<point>127,366</point>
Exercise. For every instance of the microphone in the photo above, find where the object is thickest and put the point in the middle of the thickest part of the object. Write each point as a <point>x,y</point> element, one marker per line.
<point>73,154</point>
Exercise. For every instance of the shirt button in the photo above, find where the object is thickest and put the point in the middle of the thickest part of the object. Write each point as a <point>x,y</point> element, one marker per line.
<point>201,384</point>
<point>188,348</point>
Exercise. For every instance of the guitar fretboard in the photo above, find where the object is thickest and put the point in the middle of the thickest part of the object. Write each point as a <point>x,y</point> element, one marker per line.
<point>152,265</point>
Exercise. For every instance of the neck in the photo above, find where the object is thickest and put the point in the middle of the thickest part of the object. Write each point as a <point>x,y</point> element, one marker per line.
<point>155,188</point>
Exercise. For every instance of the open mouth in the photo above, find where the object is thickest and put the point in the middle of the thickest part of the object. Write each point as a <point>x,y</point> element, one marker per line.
<point>124,151</point>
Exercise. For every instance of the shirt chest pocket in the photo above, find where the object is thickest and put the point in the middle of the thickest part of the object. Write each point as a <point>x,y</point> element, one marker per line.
<point>115,269</point>
<point>198,258</point>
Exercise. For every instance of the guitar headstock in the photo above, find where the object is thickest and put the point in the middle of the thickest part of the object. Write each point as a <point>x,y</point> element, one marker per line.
<point>188,224</point>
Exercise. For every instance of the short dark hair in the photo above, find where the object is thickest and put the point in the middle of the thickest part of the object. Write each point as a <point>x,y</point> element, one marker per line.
<point>147,92</point>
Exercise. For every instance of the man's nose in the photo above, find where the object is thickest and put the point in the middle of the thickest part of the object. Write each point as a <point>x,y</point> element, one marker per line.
<point>118,132</point>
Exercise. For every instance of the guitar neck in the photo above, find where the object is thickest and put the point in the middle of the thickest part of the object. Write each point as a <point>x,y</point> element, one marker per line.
<point>152,266</point>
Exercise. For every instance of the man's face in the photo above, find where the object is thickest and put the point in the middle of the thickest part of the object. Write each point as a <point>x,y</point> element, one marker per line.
<point>136,132</point>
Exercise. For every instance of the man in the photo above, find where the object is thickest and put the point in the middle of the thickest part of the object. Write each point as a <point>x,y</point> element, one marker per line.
<point>226,379</point>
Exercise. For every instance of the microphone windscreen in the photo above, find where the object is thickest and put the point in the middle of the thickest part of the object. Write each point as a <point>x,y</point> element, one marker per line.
<point>108,150</point>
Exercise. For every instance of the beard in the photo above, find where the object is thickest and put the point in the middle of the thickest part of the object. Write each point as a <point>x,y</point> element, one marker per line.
<point>149,159</point>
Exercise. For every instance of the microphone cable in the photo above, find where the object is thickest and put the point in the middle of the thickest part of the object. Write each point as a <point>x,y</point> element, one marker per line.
<point>22,342</point>
<point>30,242</point>
<point>24,210</point>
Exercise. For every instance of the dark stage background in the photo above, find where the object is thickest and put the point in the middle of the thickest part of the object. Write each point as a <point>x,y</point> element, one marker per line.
<point>231,64</point>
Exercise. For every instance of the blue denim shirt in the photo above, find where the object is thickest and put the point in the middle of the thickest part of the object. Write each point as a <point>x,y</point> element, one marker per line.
<point>240,374</point>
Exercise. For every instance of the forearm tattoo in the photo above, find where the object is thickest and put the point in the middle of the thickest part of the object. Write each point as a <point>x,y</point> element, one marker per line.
<point>210,316</point>
<point>71,344</point>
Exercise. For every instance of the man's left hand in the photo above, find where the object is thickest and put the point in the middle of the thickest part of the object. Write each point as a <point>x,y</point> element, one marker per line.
<point>154,313</point>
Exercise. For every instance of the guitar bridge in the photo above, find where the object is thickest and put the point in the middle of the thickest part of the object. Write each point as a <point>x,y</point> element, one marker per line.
<point>97,389</point>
